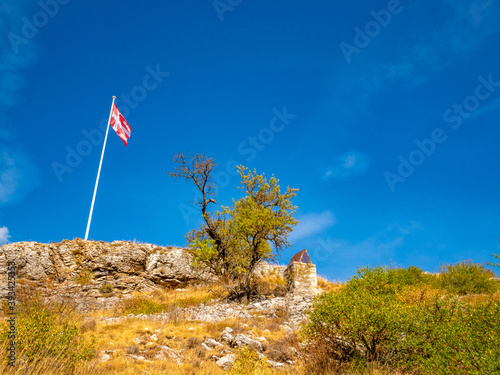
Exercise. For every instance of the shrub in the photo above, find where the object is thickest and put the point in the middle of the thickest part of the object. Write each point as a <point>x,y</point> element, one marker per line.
<point>455,338</point>
<point>466,277</point>
<point>106,288</point>
<point>283,350</point>
<point>247,361</point>
<point>48,330</point>
<point>358,323</point>
<point>395,318</point>
<point>84,278</point>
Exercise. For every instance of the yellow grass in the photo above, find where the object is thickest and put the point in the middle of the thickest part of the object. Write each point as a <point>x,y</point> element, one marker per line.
<point>145,337</point>
<point>328,286</point>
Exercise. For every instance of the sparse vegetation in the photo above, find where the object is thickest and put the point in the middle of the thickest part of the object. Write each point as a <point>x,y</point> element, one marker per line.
<point>106,288</point>
<point>48,337</point>
<point>383,321</point>
<point>84,277</point>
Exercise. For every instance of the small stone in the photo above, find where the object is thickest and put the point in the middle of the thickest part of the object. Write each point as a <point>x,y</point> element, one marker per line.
<point>225,362</point>
<point>105,357</point>
<point>276,365</point>
<point>137,357</point>
<point>211,343</point>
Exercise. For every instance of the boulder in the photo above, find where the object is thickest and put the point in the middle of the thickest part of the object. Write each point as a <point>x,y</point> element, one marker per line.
<point>226,362</point>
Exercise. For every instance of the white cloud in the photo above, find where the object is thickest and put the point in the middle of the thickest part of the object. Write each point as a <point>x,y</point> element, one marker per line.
<point>350,164</point>
<point>4,235</point>
<point>311,224</point>
<point>13,60</point>
<point>469,24</point>
<point>18,174</point>
<point>378,247</point>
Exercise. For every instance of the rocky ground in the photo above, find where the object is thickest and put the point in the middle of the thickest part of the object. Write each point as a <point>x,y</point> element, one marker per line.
<point>98,277</point>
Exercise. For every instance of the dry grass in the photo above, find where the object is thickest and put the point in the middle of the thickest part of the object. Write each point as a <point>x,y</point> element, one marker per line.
<point>133,344</point>
<point>328,286</point>
<point>271,284</point>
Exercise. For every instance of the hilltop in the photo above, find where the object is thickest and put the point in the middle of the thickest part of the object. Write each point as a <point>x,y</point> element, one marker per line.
<point>147,305</point>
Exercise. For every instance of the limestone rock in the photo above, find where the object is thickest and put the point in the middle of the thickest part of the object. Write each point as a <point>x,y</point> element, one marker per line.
<point>226,362</point>
<point>90,271</point>
<point>243,340</point>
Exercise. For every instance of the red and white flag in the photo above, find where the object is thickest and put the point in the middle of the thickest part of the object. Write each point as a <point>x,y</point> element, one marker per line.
<point>119,124</point>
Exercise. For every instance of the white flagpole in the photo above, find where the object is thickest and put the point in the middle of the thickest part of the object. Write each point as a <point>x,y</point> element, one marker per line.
<point>99,171</point>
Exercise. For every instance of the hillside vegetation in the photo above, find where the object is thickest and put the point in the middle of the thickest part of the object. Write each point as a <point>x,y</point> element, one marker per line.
<point>381,321</point>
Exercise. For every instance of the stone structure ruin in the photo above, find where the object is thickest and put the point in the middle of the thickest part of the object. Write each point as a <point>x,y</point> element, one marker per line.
<point>302,286</point>
<point>301,275</point>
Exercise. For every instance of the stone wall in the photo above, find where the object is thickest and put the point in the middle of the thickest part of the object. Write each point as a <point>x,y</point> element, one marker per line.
<point>301,278</point>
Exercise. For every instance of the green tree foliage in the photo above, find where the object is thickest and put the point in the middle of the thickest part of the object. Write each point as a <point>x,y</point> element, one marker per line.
<point>397,318</point>
<point>233,241</point>
<point>466,277</point>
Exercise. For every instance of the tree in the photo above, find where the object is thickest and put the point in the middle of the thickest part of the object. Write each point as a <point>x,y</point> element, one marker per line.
<point>233,241</point>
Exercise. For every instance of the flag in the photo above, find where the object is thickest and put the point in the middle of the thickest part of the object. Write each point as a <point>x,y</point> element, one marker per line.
<point>119,124</point>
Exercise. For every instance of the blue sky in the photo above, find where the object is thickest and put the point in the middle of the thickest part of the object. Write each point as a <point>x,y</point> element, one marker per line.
<point>384,114</point>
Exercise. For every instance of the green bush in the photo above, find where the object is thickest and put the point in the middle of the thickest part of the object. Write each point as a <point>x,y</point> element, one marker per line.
<point>248,362</point>
<point>47,330</point>
<point>364,319</point>
<point>466,277</point>
<point>451,337</point>
<point>394,317</point>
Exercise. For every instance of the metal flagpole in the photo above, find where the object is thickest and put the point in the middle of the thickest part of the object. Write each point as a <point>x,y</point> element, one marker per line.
<point>99,171</point>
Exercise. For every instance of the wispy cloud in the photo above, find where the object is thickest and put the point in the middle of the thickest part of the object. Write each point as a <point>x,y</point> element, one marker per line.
<point>4,235</point>
<point>12,62</point>
<point>468,25</point>
<point>18,174</point>
<point>350,164</point>
<point>312,224</point>
<point>379,246</point>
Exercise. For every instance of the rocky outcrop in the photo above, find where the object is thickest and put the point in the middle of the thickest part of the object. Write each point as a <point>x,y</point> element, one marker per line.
<point>87,271</point>
<point>98,275</point>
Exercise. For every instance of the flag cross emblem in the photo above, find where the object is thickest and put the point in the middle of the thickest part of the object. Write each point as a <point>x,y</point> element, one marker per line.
<point>120,125</point>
